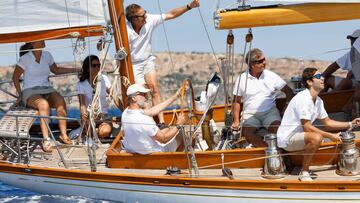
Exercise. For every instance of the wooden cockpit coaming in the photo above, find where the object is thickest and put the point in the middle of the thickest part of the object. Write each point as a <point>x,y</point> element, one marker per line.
<point>237,158</point>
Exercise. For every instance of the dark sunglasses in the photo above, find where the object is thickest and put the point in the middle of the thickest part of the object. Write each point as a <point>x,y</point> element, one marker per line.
<point>141,93</point>
<point>260,61</point>
<point>96,65</point>
<point>317,76</point>
<point>140,16</point>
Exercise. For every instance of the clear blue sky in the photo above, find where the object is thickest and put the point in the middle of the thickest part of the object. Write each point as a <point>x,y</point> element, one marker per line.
<point>186,33</point>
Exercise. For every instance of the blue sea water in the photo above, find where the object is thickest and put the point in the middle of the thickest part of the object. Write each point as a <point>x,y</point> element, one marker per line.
<point>11,194</point>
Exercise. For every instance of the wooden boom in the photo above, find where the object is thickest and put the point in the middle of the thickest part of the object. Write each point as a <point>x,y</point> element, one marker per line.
<point>287,14</point>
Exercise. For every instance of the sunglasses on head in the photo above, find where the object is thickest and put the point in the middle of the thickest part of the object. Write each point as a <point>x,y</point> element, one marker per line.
<point>317,76</point>
<point>260,60</point>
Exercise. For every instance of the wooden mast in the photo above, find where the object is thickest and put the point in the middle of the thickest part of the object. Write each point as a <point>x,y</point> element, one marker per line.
<point>117,15</point>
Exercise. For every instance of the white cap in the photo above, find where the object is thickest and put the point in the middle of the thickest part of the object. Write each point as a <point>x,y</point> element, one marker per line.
<point>355,34</point>
<point>132,89</point>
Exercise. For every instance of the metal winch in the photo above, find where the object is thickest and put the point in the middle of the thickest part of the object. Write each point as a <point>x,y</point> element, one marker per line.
<point>349,163</point>
<point>274,166</point>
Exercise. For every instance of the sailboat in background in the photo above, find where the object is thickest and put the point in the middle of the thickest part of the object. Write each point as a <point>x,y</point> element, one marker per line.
<point>100,171</point>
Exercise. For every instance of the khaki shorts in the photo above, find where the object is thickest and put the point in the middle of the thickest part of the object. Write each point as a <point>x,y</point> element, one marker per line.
<point>296,142</point>
<point>140,69</point>
<point>262,119</point>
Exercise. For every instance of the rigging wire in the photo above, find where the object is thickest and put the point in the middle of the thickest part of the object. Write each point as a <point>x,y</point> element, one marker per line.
<point>167,41</point>
<point>210,42</point>
<point>72,42</point>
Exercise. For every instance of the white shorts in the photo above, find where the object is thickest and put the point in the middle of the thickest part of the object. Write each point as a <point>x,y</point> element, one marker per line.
<point>141,68</point>
<point>296,142</point>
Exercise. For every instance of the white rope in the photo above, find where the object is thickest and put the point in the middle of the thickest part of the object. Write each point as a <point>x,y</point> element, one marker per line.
<point>118,36</point>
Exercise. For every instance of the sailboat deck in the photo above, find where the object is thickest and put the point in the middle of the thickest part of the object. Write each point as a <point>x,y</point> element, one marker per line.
<point>77,159</point>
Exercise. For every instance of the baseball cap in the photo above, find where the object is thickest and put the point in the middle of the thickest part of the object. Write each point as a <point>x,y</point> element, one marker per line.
<point>132,89</point>
<point>355,34</point>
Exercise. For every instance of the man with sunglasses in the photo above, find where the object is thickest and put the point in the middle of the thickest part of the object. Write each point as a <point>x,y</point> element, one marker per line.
<point>140,27</point>
<point>142,135</point>
<point>257,89</point>
<point>297,131</point>
<point>350,62</point>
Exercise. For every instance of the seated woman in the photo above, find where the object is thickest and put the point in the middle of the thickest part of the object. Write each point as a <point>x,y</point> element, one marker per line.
<point>86,89</point>
<point>37,92</point>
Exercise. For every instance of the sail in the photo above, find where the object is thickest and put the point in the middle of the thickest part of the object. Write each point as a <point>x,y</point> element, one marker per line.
<point>37,15</point>
<point>286,15</point>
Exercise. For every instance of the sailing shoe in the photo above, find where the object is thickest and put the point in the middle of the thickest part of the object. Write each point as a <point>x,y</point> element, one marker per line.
<point>65,140</point>
<point>305,176</point>
<point>46,145</point>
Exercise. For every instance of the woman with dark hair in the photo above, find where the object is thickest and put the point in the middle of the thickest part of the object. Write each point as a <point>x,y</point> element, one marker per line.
<point>36,64</point>
<point>86,88</point>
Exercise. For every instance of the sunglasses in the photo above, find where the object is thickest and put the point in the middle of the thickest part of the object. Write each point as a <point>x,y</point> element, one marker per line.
<point>95,65</point>
<point>317,76</point>
<point>260,61</point>
<point>140,16</point>
<point>141,93</point>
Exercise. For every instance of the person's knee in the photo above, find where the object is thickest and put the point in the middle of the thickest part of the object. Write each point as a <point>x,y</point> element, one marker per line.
<point>248,130</point>
<point>105,131</point>
<point>315,139</point>
<point>154,88</point>
<point>43,106</point>
<point>274,126</point>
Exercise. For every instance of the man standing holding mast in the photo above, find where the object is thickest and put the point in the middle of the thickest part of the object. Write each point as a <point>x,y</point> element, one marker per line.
<point>140,27</point>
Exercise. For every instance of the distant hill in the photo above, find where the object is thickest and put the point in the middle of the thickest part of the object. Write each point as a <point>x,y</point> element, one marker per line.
<point>195,65</point>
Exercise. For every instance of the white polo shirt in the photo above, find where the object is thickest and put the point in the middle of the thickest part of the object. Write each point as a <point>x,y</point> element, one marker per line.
<point>139,130</point>
<point>300,107</point>
<point>344,61</point>
<point>260,93</point>
<point>36,74</point>
<point>140,44</point>
<point>84,88</point>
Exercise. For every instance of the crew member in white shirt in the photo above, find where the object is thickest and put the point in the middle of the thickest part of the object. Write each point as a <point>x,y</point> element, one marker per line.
<point>86,89</point>
<point>350,62</point>
<point>256,88</point>
<point>140,27</point>
<point>297,131</point>
<point>36,64</point>
<point>141,134</point>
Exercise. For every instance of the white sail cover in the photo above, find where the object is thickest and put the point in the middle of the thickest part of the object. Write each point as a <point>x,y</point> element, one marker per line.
<point>34,15</point>
<point>309,1</point>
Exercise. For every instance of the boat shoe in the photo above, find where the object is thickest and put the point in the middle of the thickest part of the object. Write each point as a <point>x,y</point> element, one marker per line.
<point>65,140</point>
<point>46,145</point>
<point>305,176</point>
